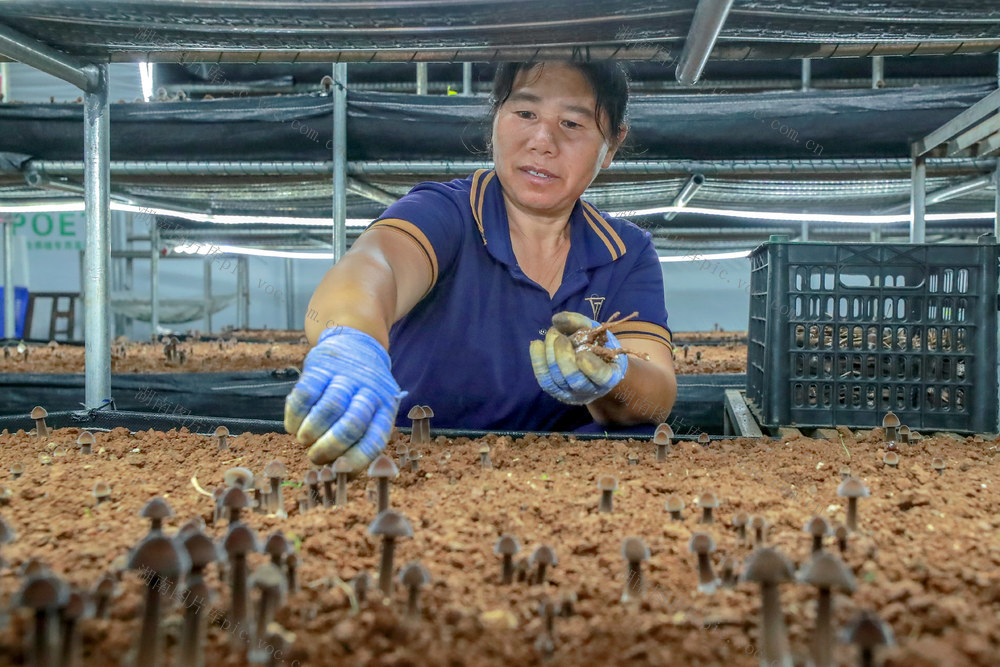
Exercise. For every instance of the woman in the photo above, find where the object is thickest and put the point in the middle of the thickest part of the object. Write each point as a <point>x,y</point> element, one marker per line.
<point>462,280</point>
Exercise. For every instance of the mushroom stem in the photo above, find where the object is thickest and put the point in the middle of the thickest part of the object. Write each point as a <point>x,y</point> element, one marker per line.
<point>67,656</point>
<point>149,638</point>
<point>265,615</point>
<point>341,488</point>
<point>328,500</point>
<point>661,452</point>
<point>191,639</point>
<point>775,639</point>
<point>867,657</point>
<point>706,577</point>
<point>852,513</point>
<point>540,575</point>
<point>385,568</point>
<point>633,581</point>
<point>413,601</point>
<point>276,501</point>
<point>824,630</point>
<point>606,504</point>
<point>238,571</point>
<point>741,531</point>
<point>44,638</point>
<point>383,494</point>
<point>706,515</point>
<point>508,568</point>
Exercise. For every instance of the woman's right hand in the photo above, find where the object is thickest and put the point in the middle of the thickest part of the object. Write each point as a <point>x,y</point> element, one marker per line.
<point>346,401</point>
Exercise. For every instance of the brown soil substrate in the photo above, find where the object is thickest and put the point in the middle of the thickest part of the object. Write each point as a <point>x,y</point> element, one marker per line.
<point>926,555</point>
<point>231,356</point>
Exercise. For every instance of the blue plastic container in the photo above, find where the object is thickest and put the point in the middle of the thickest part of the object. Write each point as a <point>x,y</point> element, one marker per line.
<point>20,311</point>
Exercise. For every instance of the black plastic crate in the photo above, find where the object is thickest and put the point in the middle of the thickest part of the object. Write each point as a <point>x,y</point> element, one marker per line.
<point>839,334</point>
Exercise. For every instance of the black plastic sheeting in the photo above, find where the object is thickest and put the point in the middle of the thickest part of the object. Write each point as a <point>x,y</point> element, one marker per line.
<point>200,396</point>
<point>387,126</point>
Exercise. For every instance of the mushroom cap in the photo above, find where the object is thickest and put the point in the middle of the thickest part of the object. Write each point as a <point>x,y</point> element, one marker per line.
<point>157,508</point>
<point>312,477</point>
<point>162,555</point>
<point>937,463</point>
<point>661,439</point>
<point>275,469</point>
<point>7,534</point>
<point>741,518</point>
<point>891,458</point>
<point>17,468</point>
<point>241,477</point>
<point>33,567</point>
<point>507,545</point>
<point>757,521</point>
<point>416,412</point>
<point>105,585</point>
<point>544,555</point>
<point>704,438</point>
<point>326,473</point>
<point>235,498</point>
<point>276,544</point>
<point>38,412</point>
<point>201,549</point>
<point>43,592</point>
<point>701,543</point>
<point>767,565</point>
<point>840,531</point>
<point>221,431</point>
<point>708,500</point>
<point>904,430</point>
<point>240,540</point>
<point>890,420</point>
<point>76,606</point>
<point>414,575</point>
<point>268,576</point>
<point>607,483</point>
<point>852,487</point>
<point>484,449</point>
<point>634,549</point>
<point>342,467</point>
<point>868,630</point>
<point>383,466</point>
<point>675,503</point>
<point>390,523</point>
<point>362,581</point>
<point>825,570</point>
<point>664,429</point>
<point>428,413</point>
<point>85,438</point>
<point>817,526</point>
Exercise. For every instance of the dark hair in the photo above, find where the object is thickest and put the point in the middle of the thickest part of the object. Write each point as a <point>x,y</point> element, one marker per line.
<point>608,79</point>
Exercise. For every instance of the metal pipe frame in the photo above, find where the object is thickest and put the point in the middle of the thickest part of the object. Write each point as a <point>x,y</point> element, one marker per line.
<point>421,78</point>
<point>806,74</point>
<point>996,202</point>
<point>686,194</point>
<point>9,317</point>
<point>207,289</point>
<point>97,181</point>
<point>944,194</point>
<point>289,294</point>
<point>709,17</point>
<point>466,79</point>
<point>243,262</point>
<point>918,207</point>
<point>339,239</point>
<point>878,71</point>
<point>18,46</point>
<point>154,279</point>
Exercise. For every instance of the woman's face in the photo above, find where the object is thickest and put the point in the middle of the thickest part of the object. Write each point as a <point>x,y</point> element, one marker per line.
<point>547,145</point>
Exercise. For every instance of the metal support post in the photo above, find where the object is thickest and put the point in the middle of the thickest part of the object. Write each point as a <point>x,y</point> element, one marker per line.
<point>154,278</point>
<point>339,161</point>
<point>421,78</point>
<point>289,294</point>
<point>806,74</point>
<point>466,79</point>
<point>208,295</point>
<point>243,289</point>
<point>996,201</point>
<point>918,177</point>
<point>96,183</point>
<point>9,319</point>
<point>129,269</point>
<point>878,71</point>
<point>805,231</point>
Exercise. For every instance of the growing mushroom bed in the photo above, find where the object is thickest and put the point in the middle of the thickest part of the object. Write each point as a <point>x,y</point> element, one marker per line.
<point>229,354</point>
<point>553,516</point>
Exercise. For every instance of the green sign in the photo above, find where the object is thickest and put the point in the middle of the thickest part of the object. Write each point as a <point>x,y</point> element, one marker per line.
<point>51,231</point>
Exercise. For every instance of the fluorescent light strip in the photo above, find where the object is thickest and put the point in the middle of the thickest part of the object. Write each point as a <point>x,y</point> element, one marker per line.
<point>210,248</point>
<point>146,79</point>
<point>871,219</point>
<point>698,257</point>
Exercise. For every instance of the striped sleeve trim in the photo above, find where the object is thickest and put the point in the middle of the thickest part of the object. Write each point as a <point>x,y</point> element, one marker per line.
<point>609,230</point>
<point>477,193</point>
<point>644,331</point>
<point>412,232</point>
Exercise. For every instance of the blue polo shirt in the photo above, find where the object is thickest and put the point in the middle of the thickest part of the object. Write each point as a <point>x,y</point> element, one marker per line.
<point>463,349</point>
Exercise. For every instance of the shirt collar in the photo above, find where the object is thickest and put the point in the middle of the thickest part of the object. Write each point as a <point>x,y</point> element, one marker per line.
<point>593,241</point>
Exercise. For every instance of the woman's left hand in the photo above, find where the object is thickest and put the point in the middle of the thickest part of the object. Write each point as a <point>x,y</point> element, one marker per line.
<point>574,377</point>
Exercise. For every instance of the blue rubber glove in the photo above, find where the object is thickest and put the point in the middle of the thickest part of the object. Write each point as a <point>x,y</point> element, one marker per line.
<point>345,403</point>
<point>574,377</point>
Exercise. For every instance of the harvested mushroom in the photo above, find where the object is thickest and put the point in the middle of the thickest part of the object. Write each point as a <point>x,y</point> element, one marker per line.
<point>261,492</point>
<point>704,440</point>
<point>326,478</point>
<point>675,505</point>
<point>269,581</point>
<point>740,521</point>
<point>703,545</point>
<point>662,439</point>
<point>238,477</point>
<point>342,470</point>
<point>634,551</point>
<point>222,437</point>
<point>541,558</point>
<point>770,568</point>
<point>414,460</point>
<point>841,533</point>
<point>413,576</point>
<point>827,573</point>
<point>101,492</point>
<point>891,459</point>
<point>852,488</point>
<point>382,469</point>
<point>167,561</point>
<point>484,457</point>
<point>390,526</point>
<point>86,442</point>
<point>508,547</point>
<point>239,543</point>
<point>904,434</point>
<point>235,500</point>
<point>819,528</point>
<point>276,547</point>
<point>16,470</point>
<point>312,483</point>
<point>416,414</point>
<point>633,459</point>
<point>707,502</point>
<point>938,464</point>
<point>38,413</point>
<point>889,424</point>
<point>44,594</point>
<point>156,510</point>
<point>276,472</point>
<point>607,486</point>
<point>868,632</point>
<point>759,526</point>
